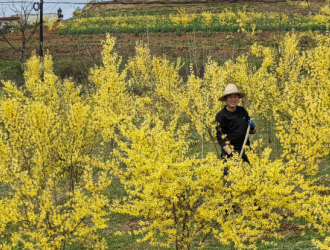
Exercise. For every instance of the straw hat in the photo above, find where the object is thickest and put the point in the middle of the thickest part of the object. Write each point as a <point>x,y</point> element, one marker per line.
<point>231,89</point>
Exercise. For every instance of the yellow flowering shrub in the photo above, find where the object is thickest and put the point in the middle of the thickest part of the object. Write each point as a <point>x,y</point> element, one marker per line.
<point>288,89</point>
<point>182,18</point>
<point>294,90</point>
<point>52,23</point>
<point>159,82</point>
<point>207,18</point>
<point>226,16</point>
<point>55,163</point>
<point>51,158</point>
<point>181,198</point>
<point>49,22</point>
<point>111,100</point>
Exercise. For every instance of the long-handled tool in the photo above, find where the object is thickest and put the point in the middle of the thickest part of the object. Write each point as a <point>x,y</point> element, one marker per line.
<point>245,140</point>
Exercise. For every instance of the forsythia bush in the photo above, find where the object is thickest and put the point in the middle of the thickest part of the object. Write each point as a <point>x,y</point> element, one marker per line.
<point>289,89</point>
<point>51,157</point>
<point>55,163</point>
<point>182,198</point>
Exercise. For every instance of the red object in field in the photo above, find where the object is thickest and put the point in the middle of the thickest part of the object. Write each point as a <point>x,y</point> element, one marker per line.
<point>9,18</point>
<point>58,20</point>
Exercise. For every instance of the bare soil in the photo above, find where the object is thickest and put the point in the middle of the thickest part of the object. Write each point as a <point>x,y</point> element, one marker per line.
<point>287,230</point>
<point>192,46</point>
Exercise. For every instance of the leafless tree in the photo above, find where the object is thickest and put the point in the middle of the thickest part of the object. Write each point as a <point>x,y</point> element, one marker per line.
<point>22,27</point>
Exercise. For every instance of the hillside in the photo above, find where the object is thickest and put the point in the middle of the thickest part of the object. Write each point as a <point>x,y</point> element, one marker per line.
<point>116,146</point>
<point>75,52</point>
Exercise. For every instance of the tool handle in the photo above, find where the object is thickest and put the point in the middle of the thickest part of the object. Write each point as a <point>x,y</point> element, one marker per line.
<point>245,140</point>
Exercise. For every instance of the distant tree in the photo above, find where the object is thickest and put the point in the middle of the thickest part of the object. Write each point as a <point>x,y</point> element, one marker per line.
<point>22,27</point>
<point>59,13</point>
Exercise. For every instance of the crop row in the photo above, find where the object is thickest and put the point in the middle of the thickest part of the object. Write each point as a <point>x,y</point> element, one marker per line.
<point>205,22</point>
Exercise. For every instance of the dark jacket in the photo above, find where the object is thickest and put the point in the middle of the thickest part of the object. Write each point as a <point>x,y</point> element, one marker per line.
<point>234,125</point>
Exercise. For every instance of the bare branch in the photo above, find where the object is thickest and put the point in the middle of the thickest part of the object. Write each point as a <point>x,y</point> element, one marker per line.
<point>4,39</point>
<point>23,12</point>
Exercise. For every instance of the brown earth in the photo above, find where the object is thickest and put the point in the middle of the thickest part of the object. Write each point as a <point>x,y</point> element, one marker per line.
<point>192,46</point>
<point>73,56</point>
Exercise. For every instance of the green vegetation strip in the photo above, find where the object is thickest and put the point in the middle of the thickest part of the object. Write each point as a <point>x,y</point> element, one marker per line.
<point>165,24</point>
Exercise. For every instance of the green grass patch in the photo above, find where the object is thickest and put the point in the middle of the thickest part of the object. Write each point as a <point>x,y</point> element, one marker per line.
<point>164,24</point>
<point>11,70</point>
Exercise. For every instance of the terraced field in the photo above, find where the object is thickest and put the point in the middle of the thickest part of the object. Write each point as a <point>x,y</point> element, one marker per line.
<point>228,20</point>
<point>78,48</point>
